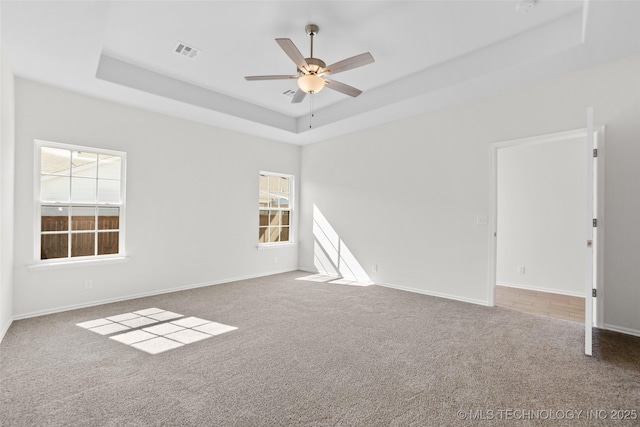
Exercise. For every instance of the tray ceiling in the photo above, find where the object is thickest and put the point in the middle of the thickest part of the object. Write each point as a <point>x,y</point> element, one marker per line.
<point>428,54</point>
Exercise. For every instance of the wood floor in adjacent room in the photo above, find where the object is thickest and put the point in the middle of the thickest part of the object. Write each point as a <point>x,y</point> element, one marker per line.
<point>542,303</point>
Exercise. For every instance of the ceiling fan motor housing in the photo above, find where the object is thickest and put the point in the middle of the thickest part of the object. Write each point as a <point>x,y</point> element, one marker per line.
<point>315,65</point>
<point>312,29</point>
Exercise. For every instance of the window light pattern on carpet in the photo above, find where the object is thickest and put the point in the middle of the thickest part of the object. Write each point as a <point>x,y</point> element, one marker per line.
<point>154,330</point>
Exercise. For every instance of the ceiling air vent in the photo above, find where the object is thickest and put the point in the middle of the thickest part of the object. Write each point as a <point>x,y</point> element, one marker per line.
<point>525,6</point>
<point>186,50</point>
<point>289,93</point>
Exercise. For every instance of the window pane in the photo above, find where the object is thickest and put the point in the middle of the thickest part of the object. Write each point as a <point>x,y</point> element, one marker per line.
<point>83,190</point>
<point>284,215</point>
<point>108,243</point>
<point>54,246</point>
<point>80,191</point>
<point>83,218</point>
<point>54,188</point>
<point>274,208</point>
<point>284,234</point>
<point>284,185</point>
<point>274,184</point>
<point>108,191</point>
<point>263,200</point>
<point>264,183</point>
<point>274,234</point>
<point>108,219</point>
<point>274,218</point>
<point>84,164</point>
<point>54,161</point>
<point>82,244</point>
<point>54,218</point>
<point>264,218</point>
<point>263,234</point>
<point>109,167</point>
<point>280,202</point>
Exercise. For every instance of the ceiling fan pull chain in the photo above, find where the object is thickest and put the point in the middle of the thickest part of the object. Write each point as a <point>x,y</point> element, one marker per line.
<point>310,108</point>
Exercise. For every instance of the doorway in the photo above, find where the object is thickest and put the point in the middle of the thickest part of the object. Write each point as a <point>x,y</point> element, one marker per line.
<point>538,242</point>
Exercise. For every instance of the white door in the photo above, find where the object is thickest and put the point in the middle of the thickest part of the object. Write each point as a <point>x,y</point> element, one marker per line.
<point>588,298</point>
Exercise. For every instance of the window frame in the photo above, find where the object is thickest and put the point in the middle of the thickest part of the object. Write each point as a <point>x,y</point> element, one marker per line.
<point>291,210</point>
<point>38,203</point>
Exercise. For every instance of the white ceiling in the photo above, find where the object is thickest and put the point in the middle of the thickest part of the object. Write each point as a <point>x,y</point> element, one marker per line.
<point>428,54</point>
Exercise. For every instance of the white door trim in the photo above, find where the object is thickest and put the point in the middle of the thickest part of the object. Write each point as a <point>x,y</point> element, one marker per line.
<point>600,136</point>
<point>590,215</point>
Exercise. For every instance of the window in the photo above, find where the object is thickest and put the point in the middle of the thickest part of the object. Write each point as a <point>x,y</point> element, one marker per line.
<point>80,201</point>
<point>275,205</point>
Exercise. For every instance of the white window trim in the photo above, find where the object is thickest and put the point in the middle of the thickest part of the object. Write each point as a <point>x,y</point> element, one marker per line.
<point>77,262</point>
<point>292,205</point>
<point>275,245</point>
<point>84,260</point>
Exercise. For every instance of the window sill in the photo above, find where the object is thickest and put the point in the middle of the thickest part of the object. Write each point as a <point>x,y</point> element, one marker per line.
<point>262,246</point>
<point>76,263</point>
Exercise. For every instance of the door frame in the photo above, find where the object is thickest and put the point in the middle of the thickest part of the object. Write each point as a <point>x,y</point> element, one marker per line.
<point>599,133</point>
<point>599,139</point>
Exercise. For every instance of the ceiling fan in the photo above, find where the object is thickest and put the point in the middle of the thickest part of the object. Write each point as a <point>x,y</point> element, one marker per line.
<point>311,71</point>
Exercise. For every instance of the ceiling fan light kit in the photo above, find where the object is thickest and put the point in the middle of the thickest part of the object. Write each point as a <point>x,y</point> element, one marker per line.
<point>311,71</point>
<point>311,83</point>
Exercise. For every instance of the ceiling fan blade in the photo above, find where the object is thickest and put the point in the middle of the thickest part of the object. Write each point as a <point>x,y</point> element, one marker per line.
<point>348,64</point>
<point>292,51</point>
<point>299,96</point>
<point>342,88</point>
<point>281,77</point>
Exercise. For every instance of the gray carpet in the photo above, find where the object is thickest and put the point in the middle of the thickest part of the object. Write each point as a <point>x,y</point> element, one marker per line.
<point>317,354</point>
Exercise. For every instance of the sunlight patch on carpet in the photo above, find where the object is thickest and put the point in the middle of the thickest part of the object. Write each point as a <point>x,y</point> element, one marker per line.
<point>161,336</point>
<point>336,280</point>
<point>349,282</point>
<point>317,278</point>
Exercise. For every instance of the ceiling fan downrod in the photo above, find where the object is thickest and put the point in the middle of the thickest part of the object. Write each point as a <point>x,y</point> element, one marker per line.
<point>312,30</point>
<point>313,65</point>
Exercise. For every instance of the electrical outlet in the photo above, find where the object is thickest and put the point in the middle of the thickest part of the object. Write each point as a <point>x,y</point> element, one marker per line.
<point>275,259</point>
<point>521,269</point>
<point>374,267</point>
<point>88,284</point>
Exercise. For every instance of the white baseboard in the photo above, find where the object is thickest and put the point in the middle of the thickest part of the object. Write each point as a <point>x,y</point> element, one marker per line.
<point>142,295</point>
<point>433,294</point>
<point>414,290</point>
<point>5,328</point>
<point>540,289</point>
<point>621,329</point>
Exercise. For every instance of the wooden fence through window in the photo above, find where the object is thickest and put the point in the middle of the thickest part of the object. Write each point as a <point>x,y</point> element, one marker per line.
<point>83,238</point>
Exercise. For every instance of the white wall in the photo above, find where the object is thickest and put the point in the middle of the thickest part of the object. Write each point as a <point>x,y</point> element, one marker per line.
<point>7,145</point>
<point>192,200</point>
<point>406,195</point>
<point>541,215</point>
